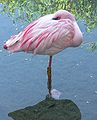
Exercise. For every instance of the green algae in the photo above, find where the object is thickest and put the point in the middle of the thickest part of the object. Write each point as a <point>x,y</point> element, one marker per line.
<point>49,109</point>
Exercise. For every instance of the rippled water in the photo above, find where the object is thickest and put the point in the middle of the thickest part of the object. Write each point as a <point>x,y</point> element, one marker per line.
<point>23,79</point>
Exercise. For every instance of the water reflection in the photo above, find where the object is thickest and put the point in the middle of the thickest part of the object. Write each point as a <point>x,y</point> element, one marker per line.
<point>23,77</point>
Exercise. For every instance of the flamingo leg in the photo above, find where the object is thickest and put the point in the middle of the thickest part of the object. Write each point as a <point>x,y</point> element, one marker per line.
<point>49,73</point>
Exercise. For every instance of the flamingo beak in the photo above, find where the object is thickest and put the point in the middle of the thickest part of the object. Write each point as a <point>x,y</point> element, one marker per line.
<point>5,46</point>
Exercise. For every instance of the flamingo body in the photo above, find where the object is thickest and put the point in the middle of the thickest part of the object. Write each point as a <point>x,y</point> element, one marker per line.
<point>47,35</point>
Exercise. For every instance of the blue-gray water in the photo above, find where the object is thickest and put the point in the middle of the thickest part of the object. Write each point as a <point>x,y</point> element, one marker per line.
<point>23,79</point>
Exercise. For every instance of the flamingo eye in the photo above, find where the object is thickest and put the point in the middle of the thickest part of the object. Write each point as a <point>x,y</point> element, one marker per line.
<point>15,43</point>
<point>57,18</point>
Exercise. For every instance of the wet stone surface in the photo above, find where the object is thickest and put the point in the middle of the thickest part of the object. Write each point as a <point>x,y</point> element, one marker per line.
<point>49,109</point>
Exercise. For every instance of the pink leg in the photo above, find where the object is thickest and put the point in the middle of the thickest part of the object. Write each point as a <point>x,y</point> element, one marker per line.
<point>49,73</point>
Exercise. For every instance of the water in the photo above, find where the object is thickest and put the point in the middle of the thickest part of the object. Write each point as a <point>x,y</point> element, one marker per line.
<point>23,79</point>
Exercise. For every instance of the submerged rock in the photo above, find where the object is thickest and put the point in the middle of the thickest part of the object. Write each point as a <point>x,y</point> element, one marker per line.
<point>49,109</point>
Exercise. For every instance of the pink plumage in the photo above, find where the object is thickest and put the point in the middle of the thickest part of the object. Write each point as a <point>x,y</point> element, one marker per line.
<point>48,35</point>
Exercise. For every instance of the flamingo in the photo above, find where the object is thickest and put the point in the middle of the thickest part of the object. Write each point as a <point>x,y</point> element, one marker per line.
<point>48,35</point>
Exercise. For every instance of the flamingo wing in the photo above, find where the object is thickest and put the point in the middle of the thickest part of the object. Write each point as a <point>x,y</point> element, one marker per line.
<point>44,36</point>
<point>49,37</point>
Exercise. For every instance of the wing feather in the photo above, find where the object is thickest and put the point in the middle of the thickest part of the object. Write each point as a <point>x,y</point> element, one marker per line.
<point>39,37</point>
<point>59,35</point>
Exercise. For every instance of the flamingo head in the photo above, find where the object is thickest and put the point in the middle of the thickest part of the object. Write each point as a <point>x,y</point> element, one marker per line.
<point>63,14</point>
<point>12,44</point>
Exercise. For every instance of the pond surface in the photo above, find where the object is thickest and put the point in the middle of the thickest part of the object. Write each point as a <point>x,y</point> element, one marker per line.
<point>23,80</point>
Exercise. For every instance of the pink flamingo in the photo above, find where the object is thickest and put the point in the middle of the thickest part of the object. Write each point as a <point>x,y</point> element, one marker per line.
<point>48,35</point>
